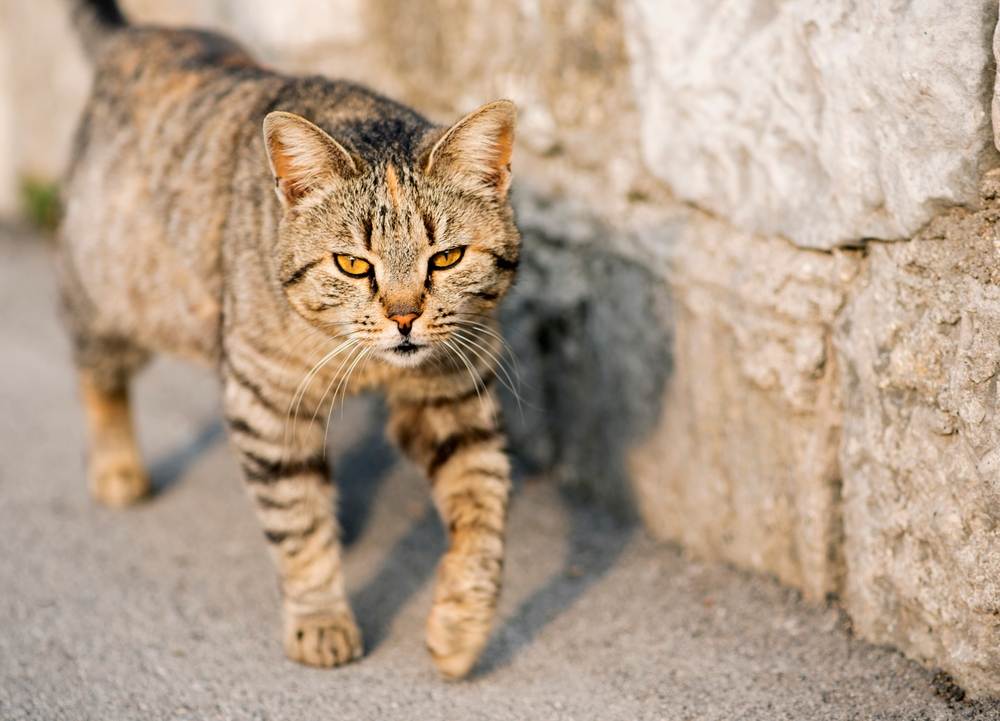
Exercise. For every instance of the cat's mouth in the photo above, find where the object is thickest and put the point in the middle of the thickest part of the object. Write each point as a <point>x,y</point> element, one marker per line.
<point>406,354</point>
<point>407,347</point>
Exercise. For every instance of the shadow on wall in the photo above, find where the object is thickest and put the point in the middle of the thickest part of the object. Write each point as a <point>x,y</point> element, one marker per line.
<point>593,348</point>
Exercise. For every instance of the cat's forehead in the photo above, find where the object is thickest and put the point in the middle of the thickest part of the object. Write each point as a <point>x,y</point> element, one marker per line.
<point>401,212</point>
<point>395,193</point>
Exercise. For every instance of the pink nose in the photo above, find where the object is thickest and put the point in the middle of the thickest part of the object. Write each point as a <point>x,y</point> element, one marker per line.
<point>404,321</point>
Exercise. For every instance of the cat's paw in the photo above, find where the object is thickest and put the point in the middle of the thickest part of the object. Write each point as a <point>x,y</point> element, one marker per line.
<point>117,477</point>
<point>323,639</point>
<point>456,635</point>
<point>460,620</point>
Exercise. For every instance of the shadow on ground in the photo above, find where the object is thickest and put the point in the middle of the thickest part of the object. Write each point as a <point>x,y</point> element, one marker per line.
<point>169,468</point>
<point>596,542</point>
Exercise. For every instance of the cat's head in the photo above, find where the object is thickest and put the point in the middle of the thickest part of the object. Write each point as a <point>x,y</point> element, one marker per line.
<point>403,256</point>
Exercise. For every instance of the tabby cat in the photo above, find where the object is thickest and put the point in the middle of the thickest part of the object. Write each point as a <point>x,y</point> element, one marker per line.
<point>308,238</point>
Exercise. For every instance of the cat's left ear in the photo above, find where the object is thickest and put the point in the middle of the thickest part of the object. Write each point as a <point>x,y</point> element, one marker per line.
<point>303,157</point>
<point>475,152</point>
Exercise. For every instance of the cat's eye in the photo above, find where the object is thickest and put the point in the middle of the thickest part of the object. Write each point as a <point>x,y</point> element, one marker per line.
<point>446,258</point>
<point>352,266</point>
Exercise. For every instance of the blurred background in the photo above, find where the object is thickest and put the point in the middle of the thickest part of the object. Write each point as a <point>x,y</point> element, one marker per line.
<point>759,304</point>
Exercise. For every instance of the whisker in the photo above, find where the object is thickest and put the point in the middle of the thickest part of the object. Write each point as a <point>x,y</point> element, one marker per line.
<point>346,383</point>
<point>336,375</point>
<point>487,356</point>
<point>464,320</point>
<point>506,346</point>
<point>291,419</point>
<point>477,379</point>
<point>449,356</point>
<point>290,357</point>
<point>345,378</point>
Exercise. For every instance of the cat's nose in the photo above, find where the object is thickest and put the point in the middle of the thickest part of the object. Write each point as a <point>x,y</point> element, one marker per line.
<point>404,321</point>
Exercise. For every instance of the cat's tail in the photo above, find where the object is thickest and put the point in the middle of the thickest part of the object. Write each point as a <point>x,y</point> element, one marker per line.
<point>95,21</point>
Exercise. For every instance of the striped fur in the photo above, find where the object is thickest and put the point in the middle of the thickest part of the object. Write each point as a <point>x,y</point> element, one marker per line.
<point>207,203</point>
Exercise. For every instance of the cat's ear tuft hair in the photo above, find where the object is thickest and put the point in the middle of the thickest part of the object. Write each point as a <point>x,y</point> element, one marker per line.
<point>475,152</point>
<point>303,158</point>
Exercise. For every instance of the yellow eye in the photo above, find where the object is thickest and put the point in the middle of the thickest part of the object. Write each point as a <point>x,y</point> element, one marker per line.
<point>446,258</point>
<point>354,267</point>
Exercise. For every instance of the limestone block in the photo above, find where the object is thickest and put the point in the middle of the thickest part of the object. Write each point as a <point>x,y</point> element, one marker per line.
<point>826,122</point>
<point>919,344</point>
<point>743,464</point>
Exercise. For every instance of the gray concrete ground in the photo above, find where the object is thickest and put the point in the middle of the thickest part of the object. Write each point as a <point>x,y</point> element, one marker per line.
<point>170,610</point>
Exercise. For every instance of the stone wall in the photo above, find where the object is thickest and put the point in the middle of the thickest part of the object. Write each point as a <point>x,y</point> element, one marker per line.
<point>743,463</point>
<point>760,291</point>
<point>825,121</point>
<point>919,343</point>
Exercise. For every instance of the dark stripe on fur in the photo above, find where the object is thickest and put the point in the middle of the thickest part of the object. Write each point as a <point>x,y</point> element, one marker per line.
<point>253,388</point>
<point>264,470</point>
<point>281,536</point>
<point>107,12</point>
<point>478,526</point>
<point>508,265</point>
<point>95,20</point>
<point>486,380</point>
<point>486,472</point>
<point>368,232</point>
<point>428,228</point>
<point>300,273</point>
<point>238,425</point>
<point>455,442</point>
<point>265,502</point>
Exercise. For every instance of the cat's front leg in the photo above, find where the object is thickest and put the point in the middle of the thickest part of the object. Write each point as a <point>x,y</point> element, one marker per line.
<point>459,444</point>
<point>288,480</point>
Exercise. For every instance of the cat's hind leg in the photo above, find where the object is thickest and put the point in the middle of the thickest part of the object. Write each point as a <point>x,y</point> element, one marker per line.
<point>115,471</point>
<point>105,363</point>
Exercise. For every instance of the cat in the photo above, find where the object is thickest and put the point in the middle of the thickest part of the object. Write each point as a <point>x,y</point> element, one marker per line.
<point>307,238</point>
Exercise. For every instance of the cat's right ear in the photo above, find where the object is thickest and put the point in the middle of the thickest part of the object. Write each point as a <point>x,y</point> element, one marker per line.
<point>303,158</point>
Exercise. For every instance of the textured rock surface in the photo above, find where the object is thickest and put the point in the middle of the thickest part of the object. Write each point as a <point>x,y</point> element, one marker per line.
<point>744,463</point>
<point>920,348</point>
<point>825,122</point>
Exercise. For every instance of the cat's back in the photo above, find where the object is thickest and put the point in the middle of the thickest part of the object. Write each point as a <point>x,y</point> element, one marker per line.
<point>149,189</point>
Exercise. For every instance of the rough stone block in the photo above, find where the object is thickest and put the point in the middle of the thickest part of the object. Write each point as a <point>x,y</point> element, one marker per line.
<point>919,343</point>
<point>825,122</point>
<point>743,465</point>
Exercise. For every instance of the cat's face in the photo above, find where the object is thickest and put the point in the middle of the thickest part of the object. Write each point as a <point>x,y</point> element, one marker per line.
<point>403,260</point>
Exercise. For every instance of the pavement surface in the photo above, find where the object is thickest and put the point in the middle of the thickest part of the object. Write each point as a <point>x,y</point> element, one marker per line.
<point>170,610</point>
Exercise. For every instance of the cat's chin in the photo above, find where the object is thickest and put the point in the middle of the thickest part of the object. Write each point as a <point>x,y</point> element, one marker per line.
<point>406,357</point>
